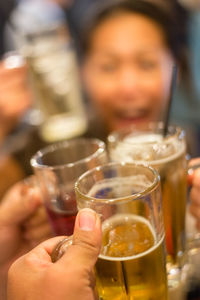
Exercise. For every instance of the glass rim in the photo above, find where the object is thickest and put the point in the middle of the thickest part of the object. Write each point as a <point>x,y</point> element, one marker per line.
<point>121,133</point>
<point>56,146</point>
<point>135,196</point>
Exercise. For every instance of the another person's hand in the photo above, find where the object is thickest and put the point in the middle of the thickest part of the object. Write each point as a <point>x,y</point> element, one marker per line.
<point>23,225</point>
<point>15,96</point>
<point>71,277</point>
<point>194,180</point>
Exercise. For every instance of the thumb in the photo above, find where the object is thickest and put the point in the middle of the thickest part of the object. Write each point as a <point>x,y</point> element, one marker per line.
<point>19,203</point>
<point>86,240</point>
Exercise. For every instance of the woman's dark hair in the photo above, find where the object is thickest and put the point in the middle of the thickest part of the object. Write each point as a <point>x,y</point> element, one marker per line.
<point>171,18</point>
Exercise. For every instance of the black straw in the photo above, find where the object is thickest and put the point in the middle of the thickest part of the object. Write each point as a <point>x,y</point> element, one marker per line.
<point>171,97</point>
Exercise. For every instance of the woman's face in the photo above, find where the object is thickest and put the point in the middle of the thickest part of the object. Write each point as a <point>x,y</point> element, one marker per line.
<point>127,70</point>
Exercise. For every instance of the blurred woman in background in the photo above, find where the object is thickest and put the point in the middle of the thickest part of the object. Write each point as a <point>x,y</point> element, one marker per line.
<point>129,49</point>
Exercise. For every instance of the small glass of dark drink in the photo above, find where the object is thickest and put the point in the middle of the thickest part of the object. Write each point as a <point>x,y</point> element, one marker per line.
<point>57,167</point>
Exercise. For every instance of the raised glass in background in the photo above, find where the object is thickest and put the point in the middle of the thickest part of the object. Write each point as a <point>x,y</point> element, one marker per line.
<point>57,167</point>
<point>145,143</point>
<point>42,36</point>
<point>132,263</point>
<point>55,82</point>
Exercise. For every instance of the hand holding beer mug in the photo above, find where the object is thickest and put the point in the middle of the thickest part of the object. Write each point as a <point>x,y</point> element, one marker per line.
<point>127,197</point>
<point>57,167</point>
<point>146,143</point>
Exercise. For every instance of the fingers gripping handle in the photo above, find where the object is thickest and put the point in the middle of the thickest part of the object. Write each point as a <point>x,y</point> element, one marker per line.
<point>61,248</point>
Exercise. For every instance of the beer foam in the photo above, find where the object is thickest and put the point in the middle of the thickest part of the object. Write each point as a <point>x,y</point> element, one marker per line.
<point>115,220</point>
<point>151,148</point>
<point>144,138</point>
<point>119,187</point>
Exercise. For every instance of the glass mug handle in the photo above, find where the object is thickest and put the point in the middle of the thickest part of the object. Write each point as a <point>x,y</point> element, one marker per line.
<point>61,248</point>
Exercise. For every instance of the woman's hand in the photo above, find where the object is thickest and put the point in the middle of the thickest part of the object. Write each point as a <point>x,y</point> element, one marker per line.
<point>15,96</point>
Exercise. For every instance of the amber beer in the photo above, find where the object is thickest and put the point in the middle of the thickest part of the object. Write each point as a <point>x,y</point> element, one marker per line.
<point>173,183</point>
<point>168,157</point>
<point>131,264</point>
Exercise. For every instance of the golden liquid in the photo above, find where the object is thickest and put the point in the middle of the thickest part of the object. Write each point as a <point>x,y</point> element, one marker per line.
<point>174,193</point>
<point>132,263</point>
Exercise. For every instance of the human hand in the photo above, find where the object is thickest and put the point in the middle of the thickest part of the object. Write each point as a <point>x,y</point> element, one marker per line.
<point>15,96</point>
<point>194,180</point>
<point>23,224</point>
<point>71,277</point>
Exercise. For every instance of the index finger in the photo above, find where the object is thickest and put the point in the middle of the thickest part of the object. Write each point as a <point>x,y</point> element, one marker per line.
<point>49,244</point>
<point>44,250</point>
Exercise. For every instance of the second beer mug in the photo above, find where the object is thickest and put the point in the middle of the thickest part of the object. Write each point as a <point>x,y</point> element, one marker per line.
<point>146,144</point>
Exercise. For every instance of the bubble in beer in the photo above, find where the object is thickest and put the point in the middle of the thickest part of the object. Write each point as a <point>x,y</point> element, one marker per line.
<point>126,235</point>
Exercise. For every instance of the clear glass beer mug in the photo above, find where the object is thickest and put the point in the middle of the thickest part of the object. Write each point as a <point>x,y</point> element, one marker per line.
<point>145,143</point>
<point>55,82</point>
<point>127,197</point>
<point>57,167</point>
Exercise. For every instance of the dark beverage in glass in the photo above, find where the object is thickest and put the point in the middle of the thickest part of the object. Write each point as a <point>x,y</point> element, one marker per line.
<point>62,214</point>
<point>57,167</point>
